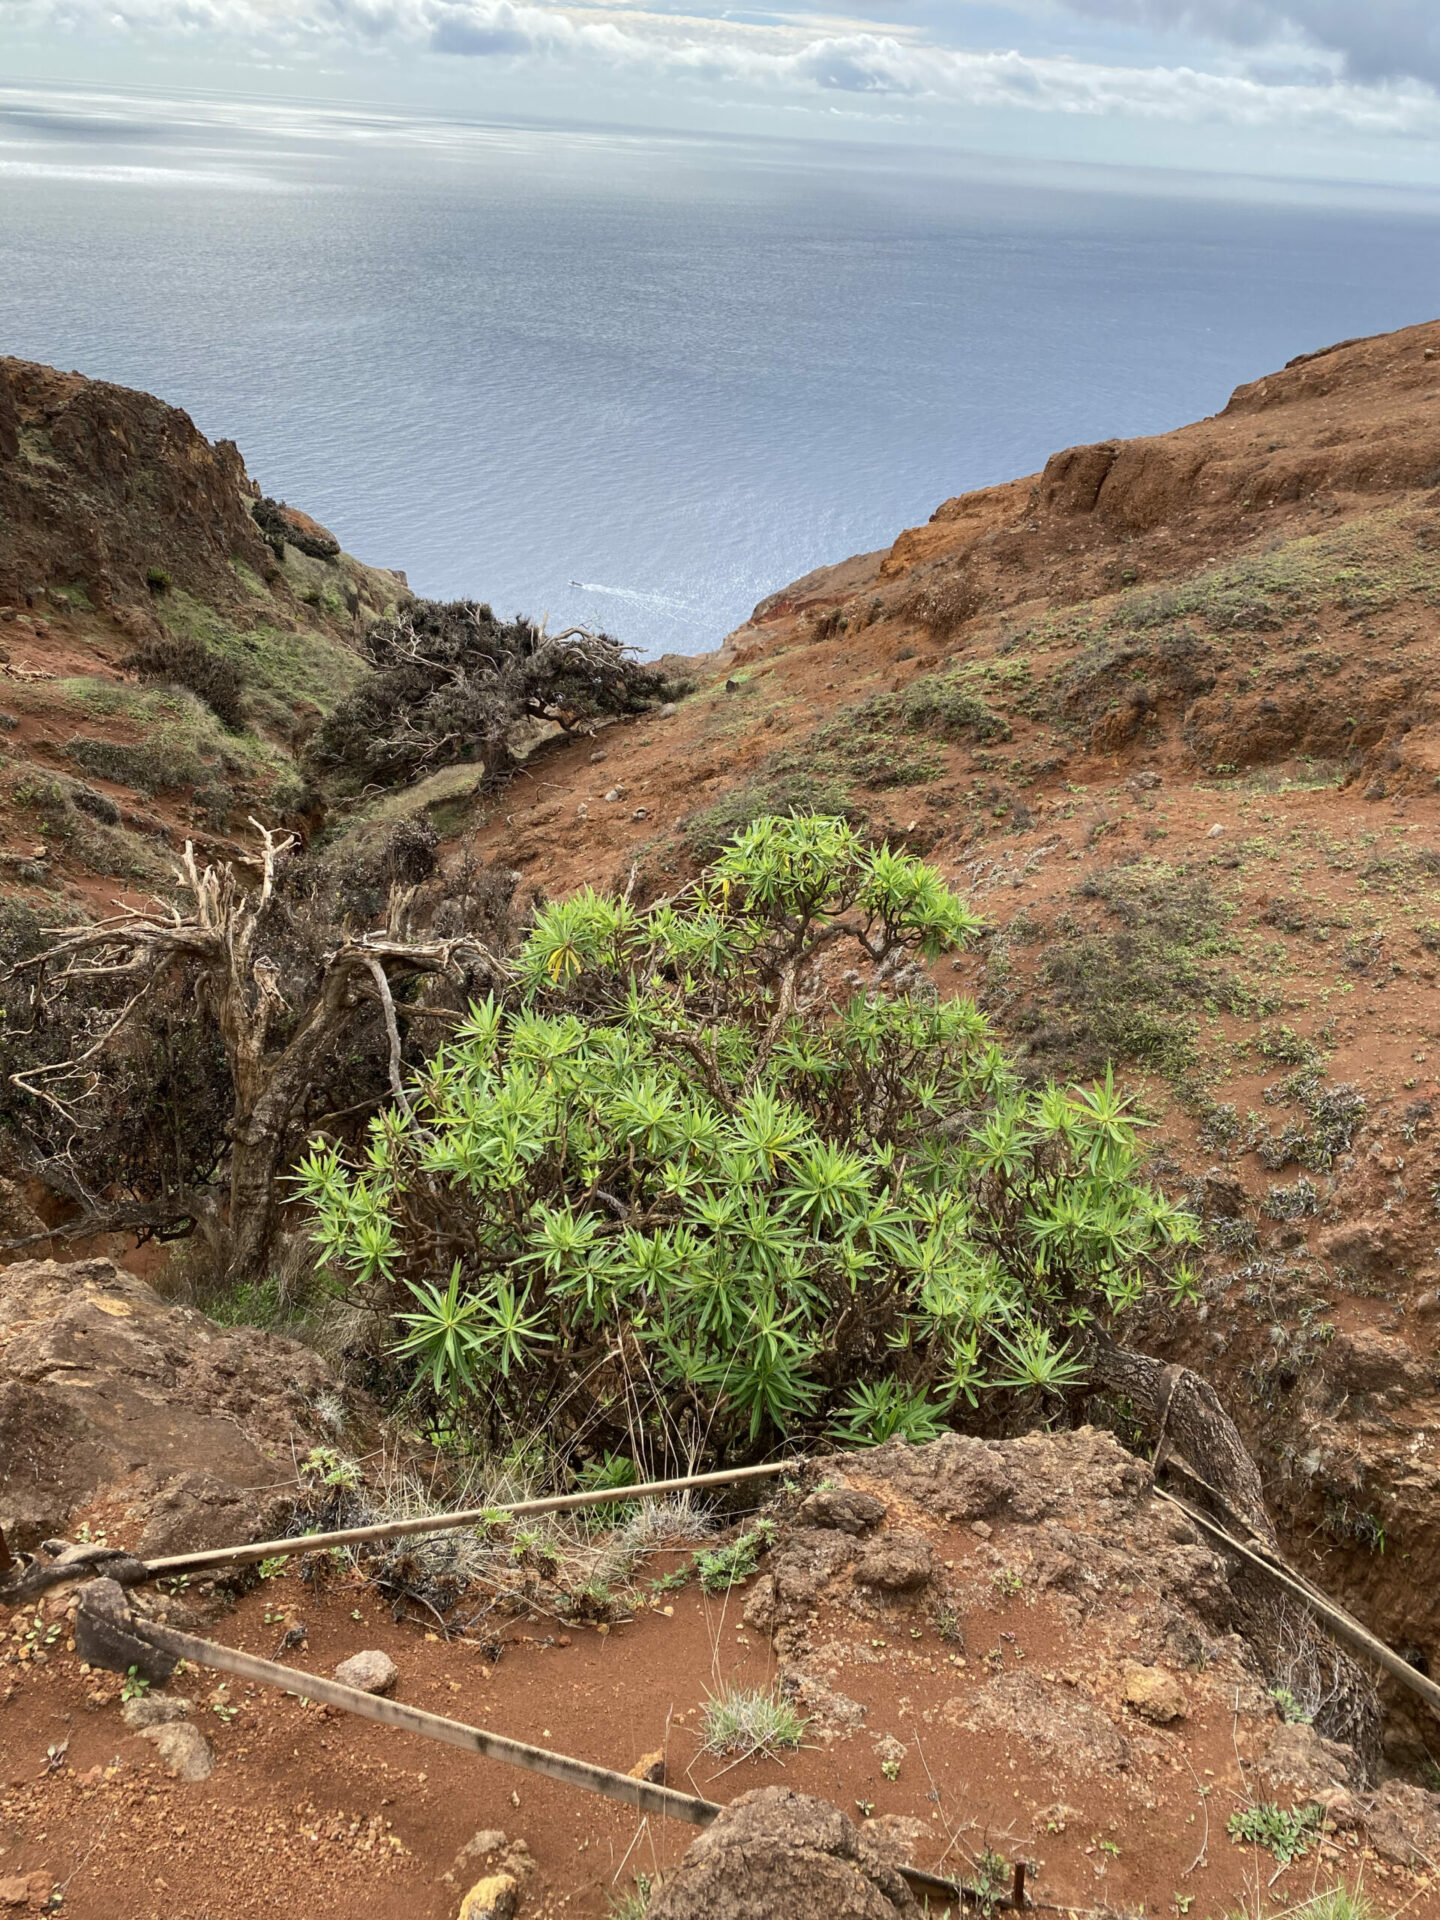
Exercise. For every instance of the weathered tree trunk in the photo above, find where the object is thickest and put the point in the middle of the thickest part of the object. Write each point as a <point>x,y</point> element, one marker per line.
<point>269,1093</point>
<point>1182,1411</point>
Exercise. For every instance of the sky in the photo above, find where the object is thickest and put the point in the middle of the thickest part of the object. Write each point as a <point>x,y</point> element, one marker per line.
<point>1318,89</point>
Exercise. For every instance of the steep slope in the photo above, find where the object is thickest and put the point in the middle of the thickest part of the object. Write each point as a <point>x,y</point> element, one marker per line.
<point>164,655</point>
<point>1166,712</point>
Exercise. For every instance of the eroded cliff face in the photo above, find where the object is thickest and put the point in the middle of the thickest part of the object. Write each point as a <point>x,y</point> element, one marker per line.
<point>99,484</point>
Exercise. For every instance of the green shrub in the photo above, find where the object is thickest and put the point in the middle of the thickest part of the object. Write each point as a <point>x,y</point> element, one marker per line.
<point>279,529</point>
<point>877,1411</point>
<point>157,579</point>
<point>451,681</point>
<point>721,1568</point>
<point>1285,1833</point>
<point>179,660</point>
<point>654,1170</point>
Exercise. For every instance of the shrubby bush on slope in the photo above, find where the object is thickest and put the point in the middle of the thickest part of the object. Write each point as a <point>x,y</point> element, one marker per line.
<point>673,1174</point>
<point>451,681</point>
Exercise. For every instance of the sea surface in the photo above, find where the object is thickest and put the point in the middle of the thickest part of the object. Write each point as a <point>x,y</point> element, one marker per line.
<point>641,380</point>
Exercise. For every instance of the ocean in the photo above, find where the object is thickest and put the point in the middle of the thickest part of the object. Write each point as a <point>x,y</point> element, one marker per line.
<point>640,380</point>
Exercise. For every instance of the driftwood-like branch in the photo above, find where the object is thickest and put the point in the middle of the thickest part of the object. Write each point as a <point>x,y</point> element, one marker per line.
<point>218,934</point>
<point>382,986</point>
<point>141,1215</point>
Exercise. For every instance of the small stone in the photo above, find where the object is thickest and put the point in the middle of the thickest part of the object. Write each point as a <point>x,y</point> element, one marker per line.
<point>732,686</point>
<point>29,1890</point>
<point>1340,1808</point>
<point>493,1898</point>
<point>1154,1693</point>
<point>184,1751</point>
<point>639,813</point>
<point>155,1710</point>
<point>371,1671</point>
<point>480,1846</point>
<point>846,1509</point>
<point>600,753</point>
<point>615,793</point>
<point>1215,831</point>
<point>669,710</point>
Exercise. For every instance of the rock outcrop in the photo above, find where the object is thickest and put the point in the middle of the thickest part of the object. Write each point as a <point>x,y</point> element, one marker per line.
<point>775,1852</point>
<point>106,1391</point>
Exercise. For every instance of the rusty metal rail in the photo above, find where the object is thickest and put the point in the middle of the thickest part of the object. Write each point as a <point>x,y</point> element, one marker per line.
<point>34,1577</point>
<point>108,1634</point>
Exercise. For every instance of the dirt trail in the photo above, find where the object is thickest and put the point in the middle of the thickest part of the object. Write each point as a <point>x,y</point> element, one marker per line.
<point>988,1711</point>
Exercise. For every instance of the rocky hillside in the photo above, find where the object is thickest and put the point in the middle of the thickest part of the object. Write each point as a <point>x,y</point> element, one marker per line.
<point>1165,712</point>
<point>168,638</point>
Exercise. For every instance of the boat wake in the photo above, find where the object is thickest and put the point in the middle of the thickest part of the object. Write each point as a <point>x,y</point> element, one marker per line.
<point>633,593</point>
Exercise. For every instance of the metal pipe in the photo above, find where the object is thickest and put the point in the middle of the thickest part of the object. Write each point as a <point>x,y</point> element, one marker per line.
<point>644,1794</point>
<point>665,1802</point>
<point>442,1522</point>
<point>1342,1624</point>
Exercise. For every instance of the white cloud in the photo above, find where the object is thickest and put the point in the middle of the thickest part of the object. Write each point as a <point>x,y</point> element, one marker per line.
<point>785,57</point>
<point>1376,39</point>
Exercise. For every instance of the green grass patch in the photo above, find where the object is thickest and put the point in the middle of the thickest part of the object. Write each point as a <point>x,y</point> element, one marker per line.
<point>757,1723</point>
<point>1360,569</point>
<point>283,667</point>
<point>1133,987</point>
<point>179,744</point>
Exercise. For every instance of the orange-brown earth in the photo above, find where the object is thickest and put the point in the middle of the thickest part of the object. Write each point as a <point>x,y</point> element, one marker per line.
<point>1005,1706</point>
<point>1166,713</point>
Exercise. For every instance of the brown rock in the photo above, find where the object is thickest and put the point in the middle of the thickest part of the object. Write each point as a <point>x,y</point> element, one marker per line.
<point>155,1710</point>
<point>1298,1756</point>
<point>99,1376</point>
<point>896,1563</point>
<point>184,1751</point>
<point>759,1613</point>
<point>29,1890</point>
<point>494,1898</point>
<point>1155,1693</point>
<point>1402,1823</point>
<point>898,1838</point>
<point>956,1477</point>
<point>845,1508</point>
<point>1364,1360</point>
<point>372,1671</point>
<point>774,1853</point>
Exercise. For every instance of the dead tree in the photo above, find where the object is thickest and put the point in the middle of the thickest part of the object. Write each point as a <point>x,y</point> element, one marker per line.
<point>217,939</point>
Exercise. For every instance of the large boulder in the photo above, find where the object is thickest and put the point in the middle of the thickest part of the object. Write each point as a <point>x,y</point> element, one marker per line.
<point>775,1852</point>
<point>106,1388</point>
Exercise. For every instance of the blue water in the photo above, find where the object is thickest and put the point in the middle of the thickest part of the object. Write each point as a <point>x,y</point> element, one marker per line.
<point>676,371</point>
